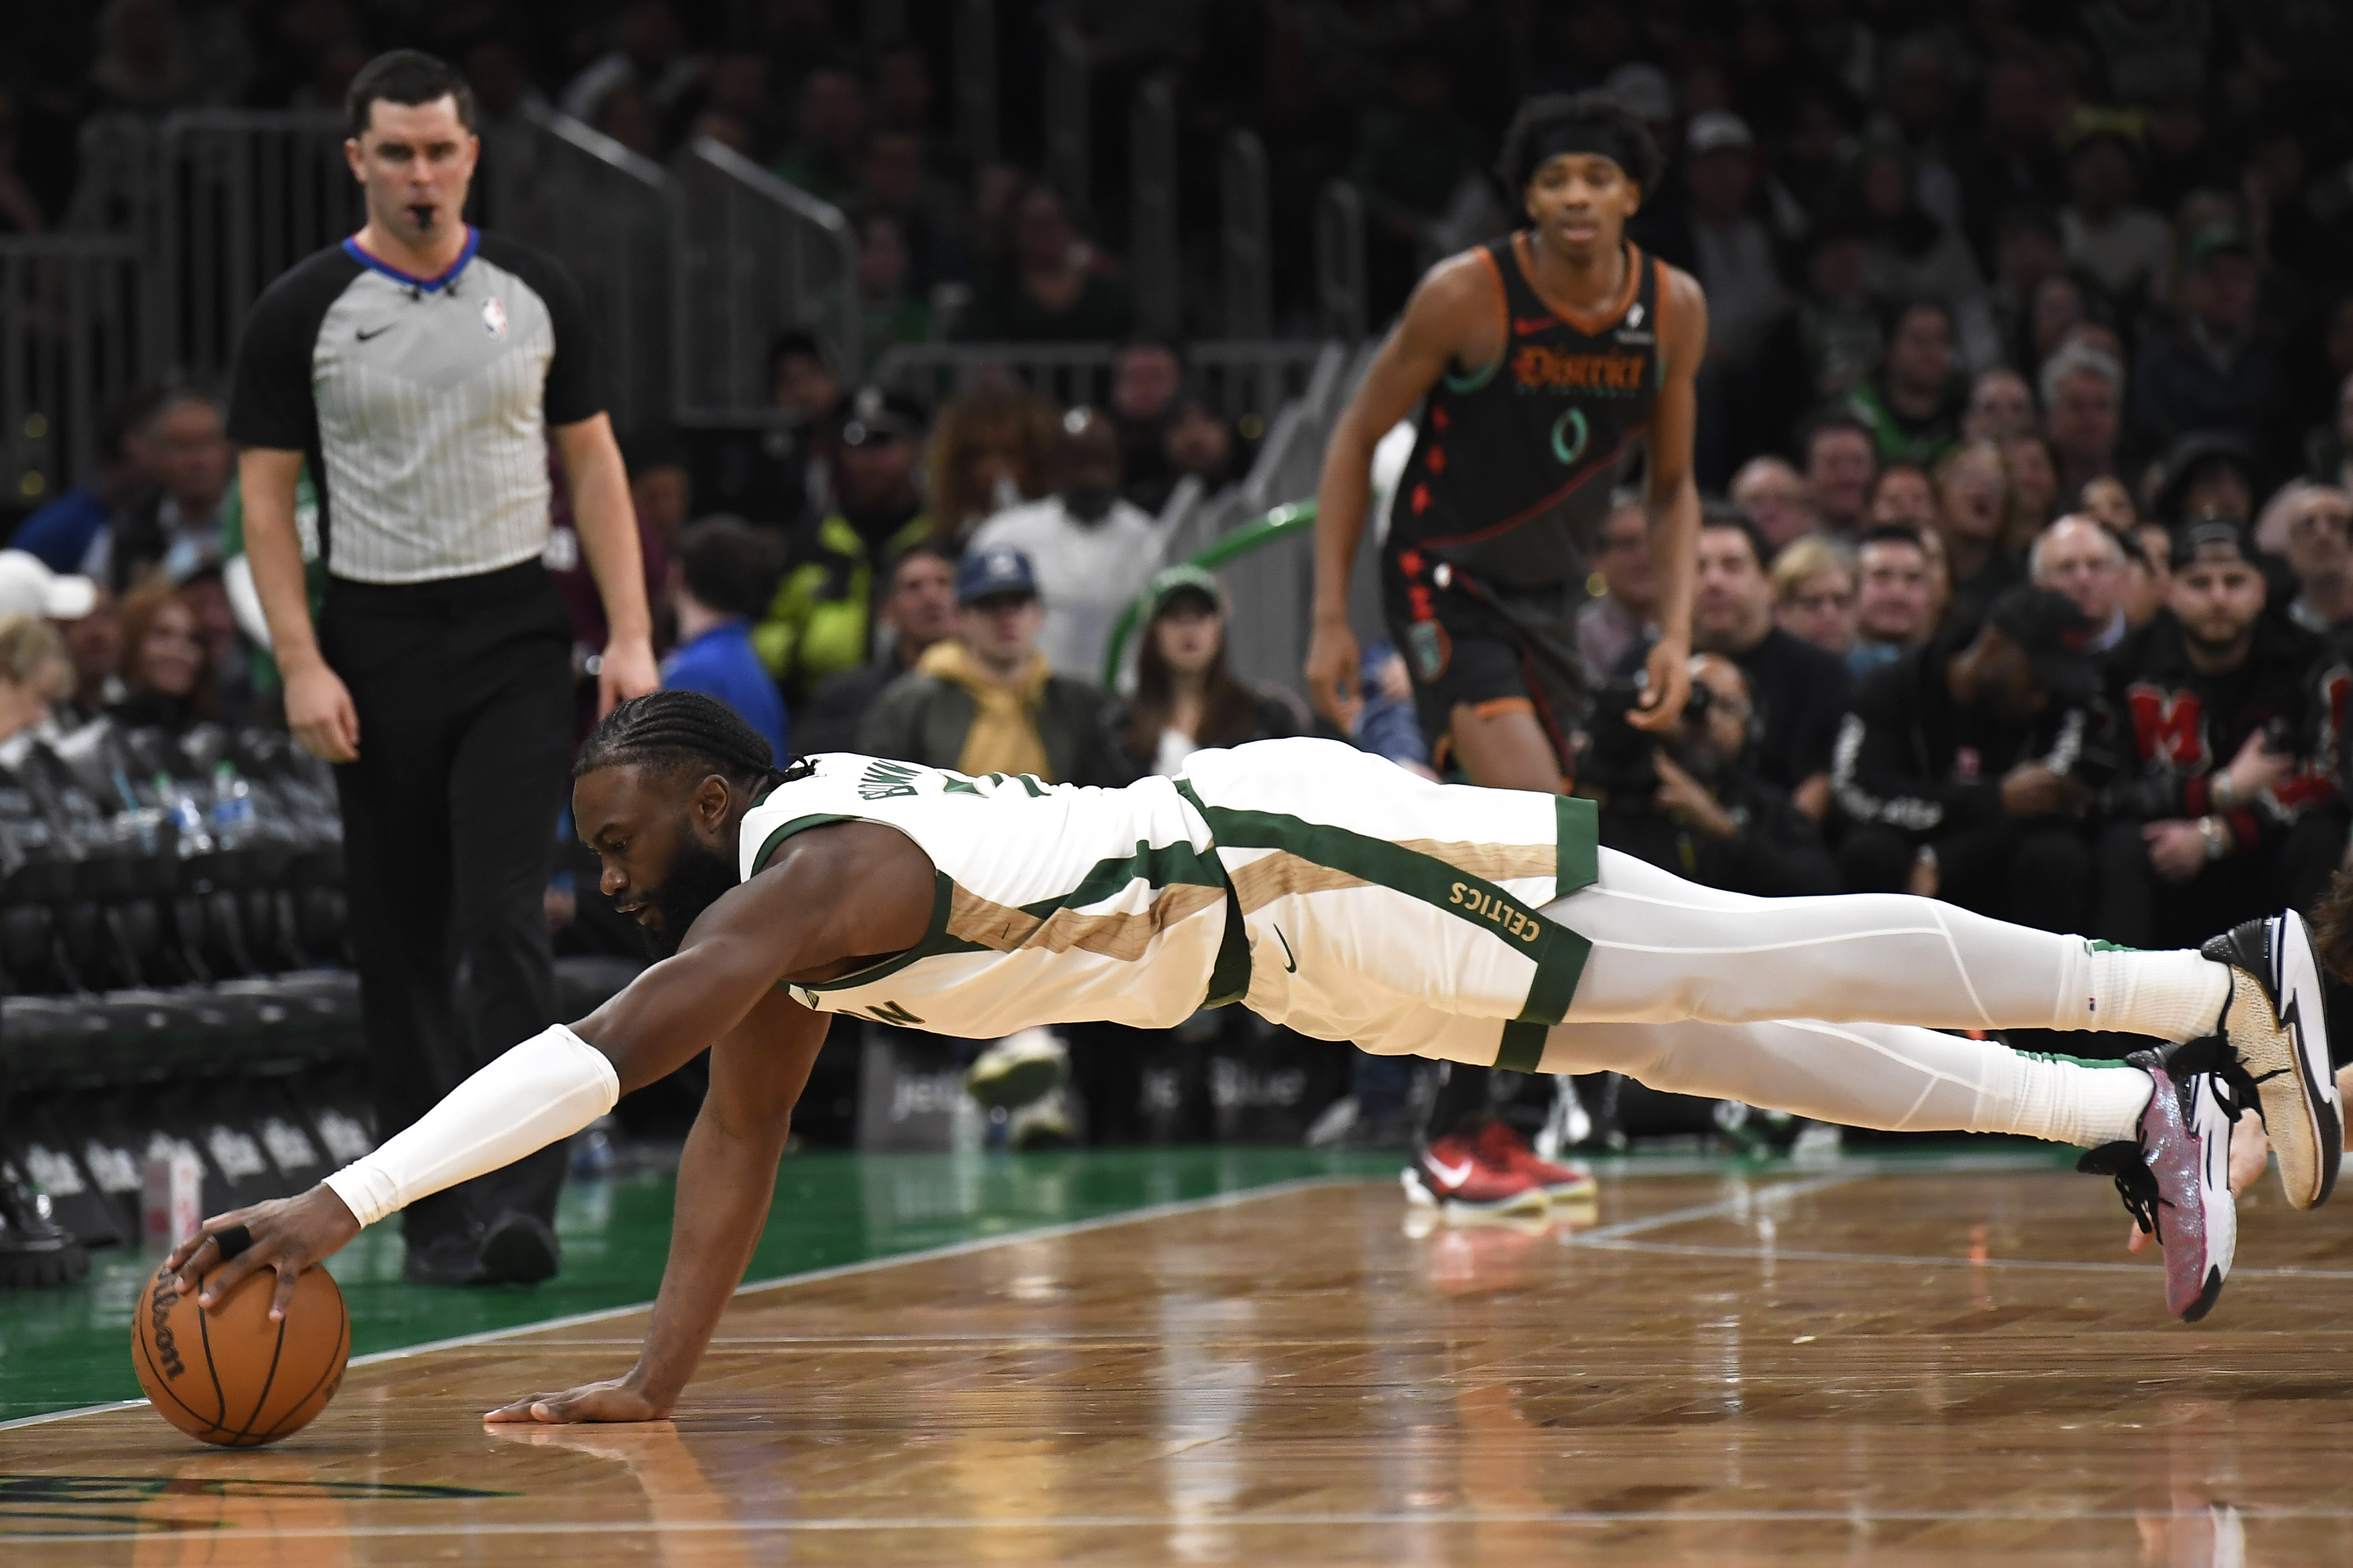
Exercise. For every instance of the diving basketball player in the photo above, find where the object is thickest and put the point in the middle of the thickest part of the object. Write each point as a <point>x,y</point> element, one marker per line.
<point>1542,364</point>
<point>1331,891</point>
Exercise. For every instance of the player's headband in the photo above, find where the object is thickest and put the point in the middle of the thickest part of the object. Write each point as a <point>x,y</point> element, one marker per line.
<point>1597,137</point>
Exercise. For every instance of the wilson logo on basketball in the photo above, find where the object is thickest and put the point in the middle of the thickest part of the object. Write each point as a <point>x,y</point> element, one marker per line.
<point>159,1329</point>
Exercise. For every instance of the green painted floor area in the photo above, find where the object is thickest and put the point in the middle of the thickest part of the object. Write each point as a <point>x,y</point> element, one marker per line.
<point>60,1349</point>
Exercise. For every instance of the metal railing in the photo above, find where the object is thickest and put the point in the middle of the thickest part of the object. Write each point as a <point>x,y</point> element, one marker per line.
<point>1240,379</point>
<point>606,212</point>
<point>975,79</point>
<point>244,195</point>
<point>1070,166</point>
<point>1246,237</point>
<point>73,327</point>
<point>1340,290</point>
<point>1267,522</point>
<point>755,255</point>
<point>1155,266</point>
<point>114,188</point>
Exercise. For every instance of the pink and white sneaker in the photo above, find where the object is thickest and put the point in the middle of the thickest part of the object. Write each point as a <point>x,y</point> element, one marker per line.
<point>2175,1179</point>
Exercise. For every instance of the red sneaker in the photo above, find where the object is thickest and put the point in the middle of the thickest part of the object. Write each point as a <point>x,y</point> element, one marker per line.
<point>1452,1173</point>
<point>1500,1145</point>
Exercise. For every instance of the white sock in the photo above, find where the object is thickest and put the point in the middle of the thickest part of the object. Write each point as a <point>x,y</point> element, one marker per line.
<point>2069,1103</point>
<point>2176,995</point>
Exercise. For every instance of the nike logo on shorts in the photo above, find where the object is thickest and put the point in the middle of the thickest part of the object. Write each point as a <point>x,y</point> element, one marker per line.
<point>364,336</point>
<point>1290,964</point>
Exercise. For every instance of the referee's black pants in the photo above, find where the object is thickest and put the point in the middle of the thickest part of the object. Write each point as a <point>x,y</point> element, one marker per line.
<point>463,689</point>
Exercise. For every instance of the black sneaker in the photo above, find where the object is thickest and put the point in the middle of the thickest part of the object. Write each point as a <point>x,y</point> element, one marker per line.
<point>449,1257</point>
<point>2278,1034</point>
<point>2176,1180</point>
<point>35,1250</point>
<point>518,1249</point>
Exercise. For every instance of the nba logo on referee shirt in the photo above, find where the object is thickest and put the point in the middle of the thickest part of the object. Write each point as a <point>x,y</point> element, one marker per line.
<point>494,318</point>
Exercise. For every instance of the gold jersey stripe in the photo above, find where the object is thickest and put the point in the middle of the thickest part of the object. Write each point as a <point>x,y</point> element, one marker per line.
<point>1279,873</point>
<point>1002,928</point>
<point>1490,862</point>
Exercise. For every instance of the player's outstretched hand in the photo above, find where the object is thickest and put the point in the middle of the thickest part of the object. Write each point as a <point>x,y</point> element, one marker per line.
<point>289,1235</point>
<point>1666,690</point>
<point>626,670</point>
<point>616,1400</point>
<point>318,712</point>
<point>1334,671</point>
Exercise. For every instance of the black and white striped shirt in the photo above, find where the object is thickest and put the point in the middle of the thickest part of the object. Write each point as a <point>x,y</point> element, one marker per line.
<point>422,402</point>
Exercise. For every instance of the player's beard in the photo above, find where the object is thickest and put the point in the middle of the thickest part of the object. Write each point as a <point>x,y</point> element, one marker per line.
<point>698,877</point>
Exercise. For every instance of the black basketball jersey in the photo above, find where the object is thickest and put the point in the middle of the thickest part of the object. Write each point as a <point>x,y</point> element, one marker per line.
<point>1512,463</point>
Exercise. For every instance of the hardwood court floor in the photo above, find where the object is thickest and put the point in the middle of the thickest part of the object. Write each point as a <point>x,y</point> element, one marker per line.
<point>1918,1368</point>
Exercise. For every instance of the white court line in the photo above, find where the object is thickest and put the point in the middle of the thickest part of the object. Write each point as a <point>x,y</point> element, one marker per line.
<point>1859,1517</point>
<point>839,1270</point>
<point>1788,1254</point>
<point>1602,1235</point>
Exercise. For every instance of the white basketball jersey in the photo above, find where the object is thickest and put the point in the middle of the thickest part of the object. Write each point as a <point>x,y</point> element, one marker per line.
<point>1366,903</point>
<point>1055,904</point>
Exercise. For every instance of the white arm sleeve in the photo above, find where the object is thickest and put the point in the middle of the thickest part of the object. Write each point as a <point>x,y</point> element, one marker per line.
<point>549,1086</point>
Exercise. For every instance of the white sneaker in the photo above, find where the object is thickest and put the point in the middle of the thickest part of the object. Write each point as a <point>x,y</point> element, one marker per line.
<point>2278,1035</point>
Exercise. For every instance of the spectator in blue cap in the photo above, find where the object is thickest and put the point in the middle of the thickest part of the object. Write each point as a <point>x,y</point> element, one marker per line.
<point>985,701</point>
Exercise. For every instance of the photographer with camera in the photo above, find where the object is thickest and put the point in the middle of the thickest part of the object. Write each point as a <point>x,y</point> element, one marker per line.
<point>1689,802</point>
<point>1963,768</point>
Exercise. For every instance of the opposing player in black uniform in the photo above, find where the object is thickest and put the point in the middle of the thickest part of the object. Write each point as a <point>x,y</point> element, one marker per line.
<point>1539,363</point>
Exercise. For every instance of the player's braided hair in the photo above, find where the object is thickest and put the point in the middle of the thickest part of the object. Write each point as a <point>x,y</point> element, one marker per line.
<point>665,730</point>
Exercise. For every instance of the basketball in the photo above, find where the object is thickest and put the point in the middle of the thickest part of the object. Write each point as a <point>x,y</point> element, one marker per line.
<point>232,1376</point>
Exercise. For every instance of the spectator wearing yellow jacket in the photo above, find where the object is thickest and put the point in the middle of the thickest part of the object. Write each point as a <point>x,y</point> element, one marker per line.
<point>820,620</point>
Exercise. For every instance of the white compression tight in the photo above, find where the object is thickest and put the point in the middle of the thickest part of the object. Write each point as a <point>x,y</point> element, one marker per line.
<point>1895,1077</point>
<point>1828,1007</point>
<point>1665,950</point>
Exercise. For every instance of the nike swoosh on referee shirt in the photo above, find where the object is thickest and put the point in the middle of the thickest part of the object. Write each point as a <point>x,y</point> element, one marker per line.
<point>364,335</point>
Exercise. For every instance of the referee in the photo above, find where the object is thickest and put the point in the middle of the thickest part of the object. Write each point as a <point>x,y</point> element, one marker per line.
<point>420,367</point>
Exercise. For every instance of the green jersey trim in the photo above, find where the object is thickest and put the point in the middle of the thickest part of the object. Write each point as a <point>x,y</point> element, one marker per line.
<point>1170,865</point>
<point>1558,954</point>
<point>1522,1046</point>
<point>1576,827</point>
<point>937,944</point>
<point>797,824</point>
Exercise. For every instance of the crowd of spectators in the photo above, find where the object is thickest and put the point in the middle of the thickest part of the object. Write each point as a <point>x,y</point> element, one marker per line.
<point>2027,417</point>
